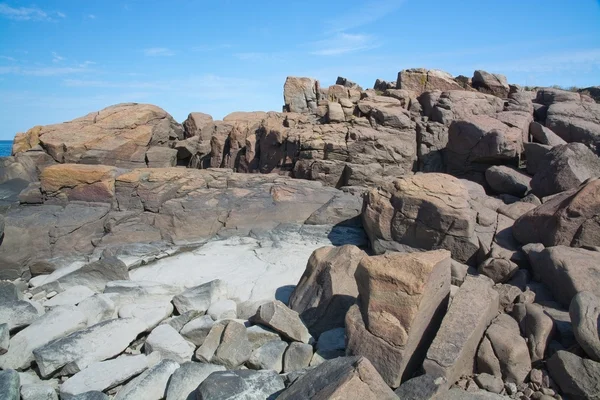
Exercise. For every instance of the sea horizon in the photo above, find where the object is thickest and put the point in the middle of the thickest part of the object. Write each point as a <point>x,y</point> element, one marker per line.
<point>5,148</point>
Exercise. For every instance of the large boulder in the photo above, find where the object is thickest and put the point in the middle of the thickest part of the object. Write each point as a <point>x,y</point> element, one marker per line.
<point>495,84</point>
<point>426,211</point>
<point>564,167</point>
<point>198,124</point>
<point>544,135</point>
<point>69,182</point>
<point>503,179</point>
<point>278,317</point>
<point>421,80</point>
<point>445,107</point>
<point>343,378</point>
<point>300,95</point>
<point>327,288</point>
<point>576,122</point>
<point>452,353</point>
<point>570,219</point>
<point>576,377</point>
<point>478,141</point>
<point>566,271</point>
<point>241,384</point>
<point>585,317</point>
<point>402,300</point>
<point>118,135</point>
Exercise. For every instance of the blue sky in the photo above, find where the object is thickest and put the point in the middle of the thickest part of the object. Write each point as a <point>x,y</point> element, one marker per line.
<point>60,59</point>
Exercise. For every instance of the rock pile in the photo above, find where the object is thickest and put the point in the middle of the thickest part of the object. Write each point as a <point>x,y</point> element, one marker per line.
<point>451,227</point>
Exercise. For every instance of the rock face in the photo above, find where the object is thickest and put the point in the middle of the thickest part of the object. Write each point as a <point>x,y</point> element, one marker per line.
<point>119,135</point>
<point>327,288</point>
<point>300,95</point>
<point>566,271</point>
<point>402,300</point>
<point>420,80</point>
<point>570,219</point>
<point>495,84</point>
<point>427,211</point>
<point>577,377</point>
<point>565,167</point>
<point>452,353</point>
<point>575,121</point>
<point>343,378</point>
<point>507,180</point>
<point>585,317</point>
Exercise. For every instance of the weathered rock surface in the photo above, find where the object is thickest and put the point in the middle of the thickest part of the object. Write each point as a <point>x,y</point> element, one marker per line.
<point>419,80</point>
<point>566,271</point>
<point>97,308</point>
<point>287,322</point>
<point>82,348</point>
<point>151,384</point>
<point>537,328</point>
<point>344,377</point>
<point>9,384</point>
<point>327,288</point>
<point>565,167</point>
<point>165,340</point>
<point>200,297</point>
<point>186,379</point>
<point>577,377</point>
<point>54,324</point>
<point>18,314</point>
<point>495,84</point>
<point>575,121</point>
<point>240,384</point>
<point>570,219</point>
<point>503,179</point>
<point>300,95</point>
<point>585,317</point>
<point>39,391</point>
<point>452,352</point>
<point>297,356</point>
<point>445,107</point>
<point>402,300</point>
<point>234,348</point>
<point>544,135</point>
<point>269,356</point>
<point>118,135</point>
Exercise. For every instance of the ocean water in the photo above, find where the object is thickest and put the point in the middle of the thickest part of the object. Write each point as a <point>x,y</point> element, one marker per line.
<point>5,147</point>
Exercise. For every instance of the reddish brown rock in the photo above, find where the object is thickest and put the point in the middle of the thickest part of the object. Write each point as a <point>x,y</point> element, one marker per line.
<point>68,182</point>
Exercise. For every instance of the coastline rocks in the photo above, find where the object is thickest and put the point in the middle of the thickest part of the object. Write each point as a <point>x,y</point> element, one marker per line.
<point>281,319</point>
<point>576,121</point>
<point>327,288</point>
<point>151,384</point>
<point>344,378</point>
<point>300,95</point>
<point>577,377</point>
<point>118,135</point>
<point>569,218</point>
<point>507,180</point>
<point>186,379</point>
<point>585,317</point>
<point>240,384</point>
<point>402,300</point>
<point>495,84</point>
<point>419,80</point>
<point>165,340</point>
<point>200,298</point>
<point>10,384</point>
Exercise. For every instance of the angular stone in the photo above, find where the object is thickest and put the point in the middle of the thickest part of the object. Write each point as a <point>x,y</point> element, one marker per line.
<point>544,135</point>
<point>18,314</point>
<point>575,121</point>
<point>97,308</point>
<point>71,182</point>
<point>169,343</point>
<point>277,316</point>
<point>300,95</point>
<point>186,379</point>
<point>490,383</point>
<point>197,329</point>
<point>196,124</point>
<point>4,338</point>
<point>269,356</point>
<point>566,271</point>
<point>585,317</point>
<point>419,80</point>
<point>452,353</point>
<point>342,378</point>
<point>161,157</point>
<point>577,377</point>
<point>403,297</point>
<point>104,375</point>
<point>40,391</point>
<point>179,321</point>
<point>55,324</point>
<point>423,387</point>
<point>495,84</point>
<point>222,309</point>
<point>503,179</point>
<point>70,297</point>
<point>259,335</point>
<point>151,384</point>
<point>537,327</point>
<point>569,219</point>
<point>200,298</point>
<point>234,349</point>
<point>94,275</point>
<point>297,356</point>
<point>150,313</point>
<point>206,351</point>
<point>82,348</point>
<point>9,293</point>
<point>9,384</point>
<point>241,384</point>
<point>327,288</point>
<point>535,155</point>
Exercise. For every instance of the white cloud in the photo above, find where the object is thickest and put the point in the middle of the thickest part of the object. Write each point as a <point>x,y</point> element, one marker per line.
<point>158,52</point>
<point>7,58</point>
<point>367,13</point>
<point>211,47</point>
<point>27,13</point>
<point>91,16</point>
<point>342,43</point>
<point>56,57</point>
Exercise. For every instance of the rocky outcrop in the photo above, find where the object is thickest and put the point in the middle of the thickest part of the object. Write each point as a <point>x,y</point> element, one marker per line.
<point>327,288</point>
<point>421,80</point>
<point>402,300</point>
<point>119,135</point>
<point>495,84</point>
<point>300,95</point>
<point>570,219</point>
<point>575,122</point>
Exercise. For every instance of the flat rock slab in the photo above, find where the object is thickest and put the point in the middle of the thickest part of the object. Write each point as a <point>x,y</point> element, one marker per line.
<point>18,314</point>
<point>104,375</point>
<point>40,391</point>
<point>70,297</point>
<point>200,298</point>
<point>9,384</point>
<point>97,308</point>
<point>96,343</point>
<point>452,353</point>
<point>280,318</point>
<point>241,384</point>
<point>55,324</point>
<point>169,343</point>
<point>187,378</point>
<point>343,378</point>
<point>151,384</point>
<point>150,313</point>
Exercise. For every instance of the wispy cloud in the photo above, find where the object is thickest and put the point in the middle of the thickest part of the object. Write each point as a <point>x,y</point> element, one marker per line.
<point>343,43</point>
<point>56,58</point>
<point>7,58</point>
<point>211,47</point>
<point>366,13</point>
<point>90,16</point>
<point>28,13</point>
<point>158,52</point>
